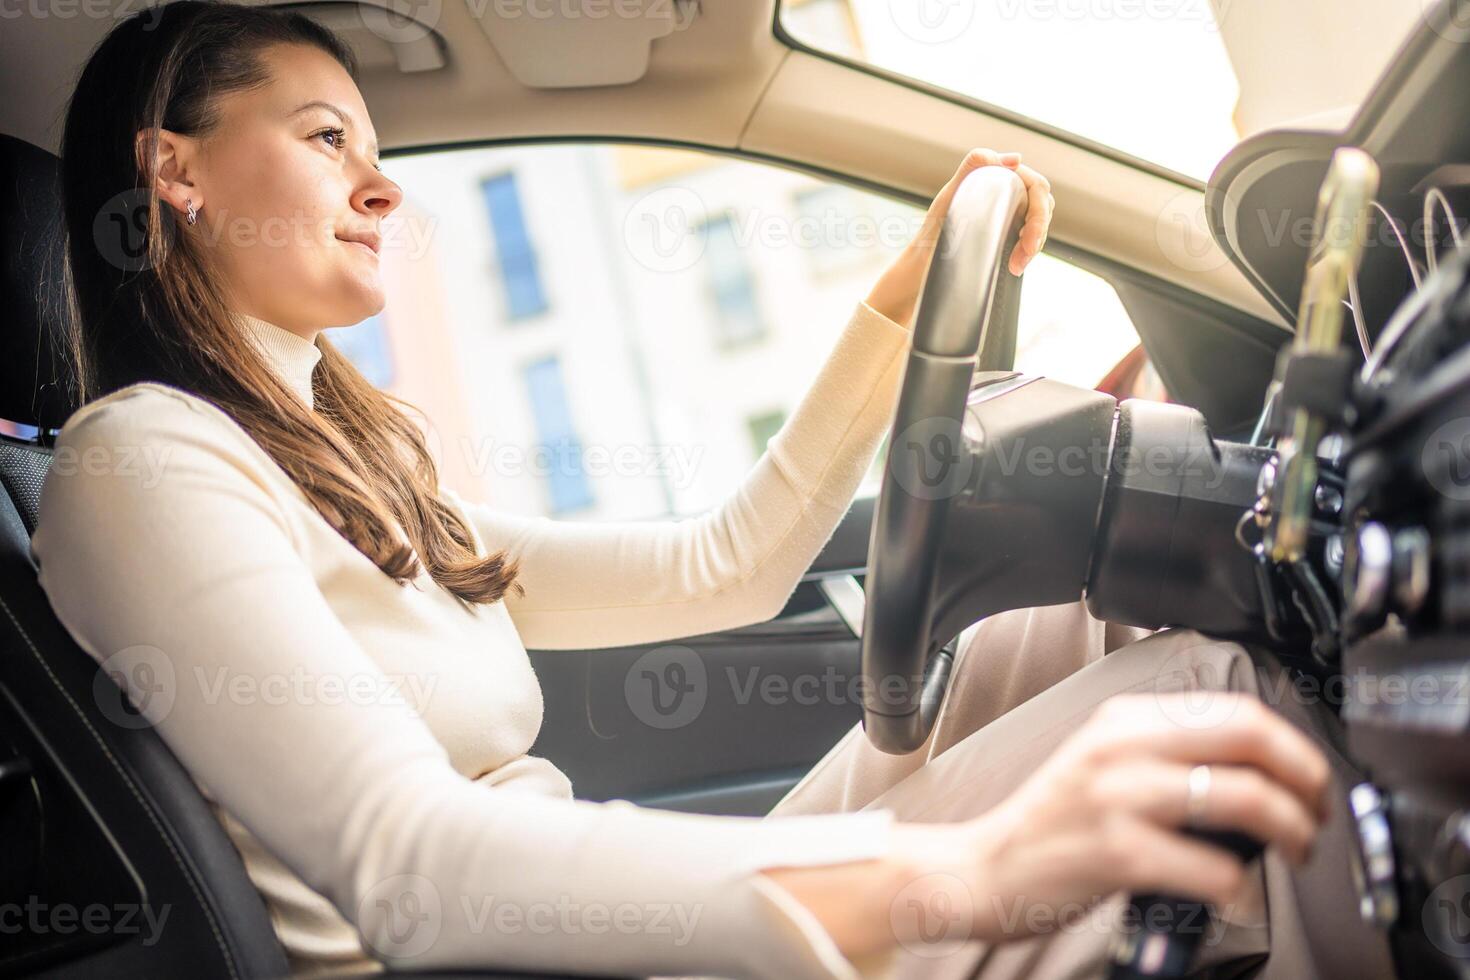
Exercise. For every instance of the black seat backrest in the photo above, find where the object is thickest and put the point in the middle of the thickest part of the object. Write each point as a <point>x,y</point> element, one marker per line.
<point>102,832</point>
<point>22,473</point>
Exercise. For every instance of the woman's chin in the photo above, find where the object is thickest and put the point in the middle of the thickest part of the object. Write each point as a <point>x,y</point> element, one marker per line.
<point>362,300</point>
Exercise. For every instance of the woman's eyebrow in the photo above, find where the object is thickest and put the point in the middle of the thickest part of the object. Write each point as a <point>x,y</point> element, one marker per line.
<point>341,114</point>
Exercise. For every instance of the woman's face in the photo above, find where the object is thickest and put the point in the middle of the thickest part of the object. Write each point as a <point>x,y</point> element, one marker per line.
<point>289,195</point>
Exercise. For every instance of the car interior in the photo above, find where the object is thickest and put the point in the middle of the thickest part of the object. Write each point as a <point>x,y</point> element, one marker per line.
<point>1246,357</point>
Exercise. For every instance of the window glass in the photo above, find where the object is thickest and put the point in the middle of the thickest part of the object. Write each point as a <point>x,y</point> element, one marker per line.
<point>688,301</point>
<point>1174,82</point>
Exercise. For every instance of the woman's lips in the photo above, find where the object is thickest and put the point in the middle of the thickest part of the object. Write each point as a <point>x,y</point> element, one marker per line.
<point>360,245</point>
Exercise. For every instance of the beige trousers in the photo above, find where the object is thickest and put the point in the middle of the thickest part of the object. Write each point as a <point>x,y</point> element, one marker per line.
<point>1025,680</point>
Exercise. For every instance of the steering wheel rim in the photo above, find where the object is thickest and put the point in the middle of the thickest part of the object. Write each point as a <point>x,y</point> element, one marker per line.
<point>965,321</point>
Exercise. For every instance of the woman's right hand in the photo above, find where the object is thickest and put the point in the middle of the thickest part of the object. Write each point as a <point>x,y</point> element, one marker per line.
<point>1105,812</point>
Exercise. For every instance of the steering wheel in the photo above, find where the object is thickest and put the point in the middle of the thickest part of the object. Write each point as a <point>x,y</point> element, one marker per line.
<point>965,321</point>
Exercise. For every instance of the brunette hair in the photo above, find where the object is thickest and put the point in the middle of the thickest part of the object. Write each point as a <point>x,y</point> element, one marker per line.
<point>157,313</point>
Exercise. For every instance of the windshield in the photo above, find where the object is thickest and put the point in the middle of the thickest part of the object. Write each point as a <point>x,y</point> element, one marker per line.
<point>1174,82</point>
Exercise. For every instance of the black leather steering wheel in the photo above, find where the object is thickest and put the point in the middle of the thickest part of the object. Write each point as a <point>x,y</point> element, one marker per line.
<point>965,321</point>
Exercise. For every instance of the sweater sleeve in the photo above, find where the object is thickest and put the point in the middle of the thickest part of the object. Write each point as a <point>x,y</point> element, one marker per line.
<point>184,582</point>
<point>590,585</point>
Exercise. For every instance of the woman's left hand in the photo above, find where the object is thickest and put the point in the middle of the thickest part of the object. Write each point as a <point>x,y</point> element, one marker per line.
<point>897,290</point>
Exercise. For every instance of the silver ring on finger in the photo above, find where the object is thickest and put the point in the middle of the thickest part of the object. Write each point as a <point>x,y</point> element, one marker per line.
<point>1200,779</point>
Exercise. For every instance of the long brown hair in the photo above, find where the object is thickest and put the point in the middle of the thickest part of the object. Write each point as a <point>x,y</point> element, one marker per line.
<point>153,310</point>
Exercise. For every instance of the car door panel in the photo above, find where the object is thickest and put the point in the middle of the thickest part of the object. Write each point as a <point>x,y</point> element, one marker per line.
<point>718,723</point>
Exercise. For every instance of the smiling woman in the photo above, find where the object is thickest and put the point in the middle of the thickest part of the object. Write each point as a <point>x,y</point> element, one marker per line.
<point>287,206</point>
<point>266,161</point>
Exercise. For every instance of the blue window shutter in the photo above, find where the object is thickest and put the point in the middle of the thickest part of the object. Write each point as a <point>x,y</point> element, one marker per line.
<point>519,271</point>
<point>731,285</point>
<point>566,479</point>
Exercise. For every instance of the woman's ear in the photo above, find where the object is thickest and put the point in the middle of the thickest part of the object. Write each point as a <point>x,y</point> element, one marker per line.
<point>171,158</point>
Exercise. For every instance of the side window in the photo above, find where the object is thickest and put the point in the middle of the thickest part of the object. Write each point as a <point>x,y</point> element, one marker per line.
<point>609,332</point>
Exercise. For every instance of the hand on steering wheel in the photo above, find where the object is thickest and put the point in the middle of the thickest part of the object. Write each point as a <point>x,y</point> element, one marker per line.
<point>897,290</point>
<point>966,320</point>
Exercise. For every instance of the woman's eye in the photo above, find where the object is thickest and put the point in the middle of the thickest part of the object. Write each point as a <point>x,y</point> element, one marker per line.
<point>337,137</point>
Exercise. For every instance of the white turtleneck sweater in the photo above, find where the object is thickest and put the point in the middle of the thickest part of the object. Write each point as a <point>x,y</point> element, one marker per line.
<point>364,743</point>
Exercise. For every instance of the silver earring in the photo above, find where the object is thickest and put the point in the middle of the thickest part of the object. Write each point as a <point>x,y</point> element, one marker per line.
<point>193,214</point>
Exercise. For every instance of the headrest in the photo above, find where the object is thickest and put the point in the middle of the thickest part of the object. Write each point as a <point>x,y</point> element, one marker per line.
<point>31,291</point>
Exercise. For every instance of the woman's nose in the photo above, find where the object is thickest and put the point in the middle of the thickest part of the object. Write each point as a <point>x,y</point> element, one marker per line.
<point>379,195</point>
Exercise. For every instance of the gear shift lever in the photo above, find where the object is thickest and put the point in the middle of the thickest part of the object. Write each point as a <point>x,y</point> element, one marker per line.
<point>1161,933</point>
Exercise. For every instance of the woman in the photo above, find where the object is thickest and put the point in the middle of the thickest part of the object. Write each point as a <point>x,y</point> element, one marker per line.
<point>335,648</point>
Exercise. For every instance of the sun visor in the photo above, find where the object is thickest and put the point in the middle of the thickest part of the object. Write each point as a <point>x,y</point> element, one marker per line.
<point>575,43</point>
<point>383,34</point>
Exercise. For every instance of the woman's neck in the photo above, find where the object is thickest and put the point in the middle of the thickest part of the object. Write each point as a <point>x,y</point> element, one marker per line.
<point>291,356</point>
